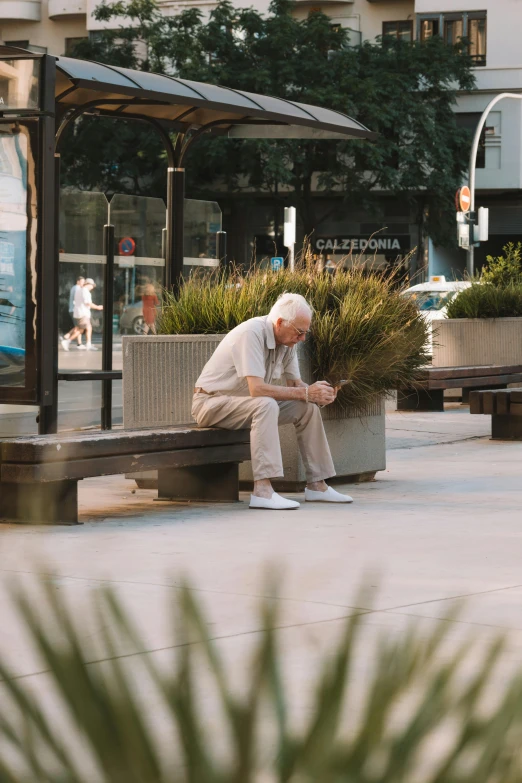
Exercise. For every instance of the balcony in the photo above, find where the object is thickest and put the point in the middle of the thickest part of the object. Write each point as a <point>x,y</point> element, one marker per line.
<point>20,10</point>
<point>67,9</point>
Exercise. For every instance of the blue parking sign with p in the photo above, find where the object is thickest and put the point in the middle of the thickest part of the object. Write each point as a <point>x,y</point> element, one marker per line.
<point>276,263</point>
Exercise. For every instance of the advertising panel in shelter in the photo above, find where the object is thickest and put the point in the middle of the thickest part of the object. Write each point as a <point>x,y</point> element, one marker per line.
<point>13,254</point>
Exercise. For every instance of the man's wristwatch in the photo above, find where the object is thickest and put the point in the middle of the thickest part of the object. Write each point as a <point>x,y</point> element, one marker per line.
<point>306,394</point>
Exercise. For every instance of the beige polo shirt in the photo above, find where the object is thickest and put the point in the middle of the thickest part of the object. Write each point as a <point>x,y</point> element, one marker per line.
<point>249,349</point>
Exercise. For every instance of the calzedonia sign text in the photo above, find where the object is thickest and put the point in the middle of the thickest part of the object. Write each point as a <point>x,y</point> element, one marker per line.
<point>359,243</point>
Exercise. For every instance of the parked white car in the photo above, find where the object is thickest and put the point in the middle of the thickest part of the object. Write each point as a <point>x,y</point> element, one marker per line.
<point>432,299</point>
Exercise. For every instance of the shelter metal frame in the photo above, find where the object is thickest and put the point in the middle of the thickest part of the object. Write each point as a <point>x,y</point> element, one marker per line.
<point>70,88</point>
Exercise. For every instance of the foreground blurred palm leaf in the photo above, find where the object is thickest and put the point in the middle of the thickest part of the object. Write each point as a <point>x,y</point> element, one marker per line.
<point>101,727</point>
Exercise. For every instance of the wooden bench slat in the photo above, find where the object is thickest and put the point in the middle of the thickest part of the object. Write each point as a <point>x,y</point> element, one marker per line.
<point>107,466</point>
<point>79,446</point>
<point>484,381</point>
<point>488,403</point>
<point>496,402</point>
<point>501,401</point>
<point>515,395</point>
<point>476,402</point>
<point>449,373</point>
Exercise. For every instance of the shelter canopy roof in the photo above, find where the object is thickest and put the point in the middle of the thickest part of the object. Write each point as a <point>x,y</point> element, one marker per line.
<point>187,104</point>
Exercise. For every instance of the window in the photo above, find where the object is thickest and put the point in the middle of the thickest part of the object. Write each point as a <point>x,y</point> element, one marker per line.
<point>469,121</point>
<point>352,37</point>
<point>429,28</point>
<point>71,43</point>
<point>468,26</point>
<point>477,37</point>
<point>453,29</point>
<point>28,46</point>
<point>19,44</point>
<point>400,30</point>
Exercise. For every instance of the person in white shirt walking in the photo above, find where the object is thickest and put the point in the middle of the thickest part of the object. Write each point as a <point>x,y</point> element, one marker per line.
<point>82,307</point>
<point>80,280</point>
<point>236,390</point>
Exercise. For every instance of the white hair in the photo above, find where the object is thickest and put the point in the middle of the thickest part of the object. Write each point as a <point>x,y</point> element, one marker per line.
<point>288,307</point>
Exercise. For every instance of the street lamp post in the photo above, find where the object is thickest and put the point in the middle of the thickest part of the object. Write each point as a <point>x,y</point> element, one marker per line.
<point>473,167</point>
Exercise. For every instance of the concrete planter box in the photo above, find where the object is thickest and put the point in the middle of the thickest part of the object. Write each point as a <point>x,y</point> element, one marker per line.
<point>462,342</point>
<point>159,373</point>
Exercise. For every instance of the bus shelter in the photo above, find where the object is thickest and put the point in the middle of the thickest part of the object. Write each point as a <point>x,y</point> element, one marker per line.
<point>40,95</point>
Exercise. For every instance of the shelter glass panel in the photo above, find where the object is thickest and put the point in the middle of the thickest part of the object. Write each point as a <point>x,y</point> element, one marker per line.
<point>82,217</point>
<point>19,84</point>
<point>203,220</point>
<point>139,262</point>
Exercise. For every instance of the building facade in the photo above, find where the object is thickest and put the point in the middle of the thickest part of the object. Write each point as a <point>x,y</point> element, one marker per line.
<point>492,26</point>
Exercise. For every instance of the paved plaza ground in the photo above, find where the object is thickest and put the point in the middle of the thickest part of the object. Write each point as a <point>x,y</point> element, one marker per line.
<point>444,521</point>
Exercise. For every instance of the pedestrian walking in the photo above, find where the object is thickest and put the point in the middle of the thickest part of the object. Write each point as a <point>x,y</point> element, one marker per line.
<point>80,280</point>
<point>83,305</point>
<point>150,303</point>
<point>236,390</point>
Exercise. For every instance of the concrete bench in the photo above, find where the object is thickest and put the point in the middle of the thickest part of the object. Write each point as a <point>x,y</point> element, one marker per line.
<point>39,474</point>
<point>505,408</point>
<point>427,394</point>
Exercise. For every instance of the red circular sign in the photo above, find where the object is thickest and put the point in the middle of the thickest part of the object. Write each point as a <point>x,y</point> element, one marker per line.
<point>463,199</point>
<point>127,246</point>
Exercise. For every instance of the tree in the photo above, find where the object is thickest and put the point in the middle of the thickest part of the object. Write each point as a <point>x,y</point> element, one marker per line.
<point>404,91</point>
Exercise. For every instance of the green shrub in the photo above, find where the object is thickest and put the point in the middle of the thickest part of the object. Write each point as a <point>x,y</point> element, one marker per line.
<point>484,300</point>
<point>363,330</point>
<point>504,270</point>
<point>120,714</point>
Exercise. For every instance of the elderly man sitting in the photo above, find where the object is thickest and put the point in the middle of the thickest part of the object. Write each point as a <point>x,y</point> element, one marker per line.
<point>236,390</point>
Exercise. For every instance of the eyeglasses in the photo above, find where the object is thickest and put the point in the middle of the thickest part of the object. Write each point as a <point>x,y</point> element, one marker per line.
<point>300,332</point>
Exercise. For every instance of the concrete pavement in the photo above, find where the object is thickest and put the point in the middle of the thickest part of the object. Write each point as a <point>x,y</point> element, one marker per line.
<point>443,522</point>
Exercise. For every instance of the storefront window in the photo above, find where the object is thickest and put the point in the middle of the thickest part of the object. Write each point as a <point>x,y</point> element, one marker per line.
<point>19,84</point>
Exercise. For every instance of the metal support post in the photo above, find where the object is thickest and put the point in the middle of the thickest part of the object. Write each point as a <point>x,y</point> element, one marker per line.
<point>291,258</point>
<point>108,306</point>
<point>221,248</point>
<point>175,226</point>
<point>289,235</point>
<point>48,412</point>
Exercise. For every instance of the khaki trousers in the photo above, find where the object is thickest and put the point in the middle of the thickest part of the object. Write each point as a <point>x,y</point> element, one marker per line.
<point>263,415</point>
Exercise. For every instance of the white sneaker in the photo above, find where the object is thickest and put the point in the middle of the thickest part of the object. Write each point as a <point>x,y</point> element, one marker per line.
<point>65,344</point>
<point>328,496</point>
<point>91,348</point>
<point>275,503</point>
<point>81,348</point>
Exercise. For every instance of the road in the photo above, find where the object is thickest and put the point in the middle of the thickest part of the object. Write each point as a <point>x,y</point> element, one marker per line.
<point>79,404</point>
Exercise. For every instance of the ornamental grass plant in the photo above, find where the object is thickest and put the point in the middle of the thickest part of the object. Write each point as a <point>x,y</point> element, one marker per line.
<point>424,711</point>
<point>498,292</point>
<point>485,300</point>
<point>363,330</point>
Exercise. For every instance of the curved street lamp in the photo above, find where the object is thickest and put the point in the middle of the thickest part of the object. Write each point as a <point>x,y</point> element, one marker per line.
<point>473,165</point>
